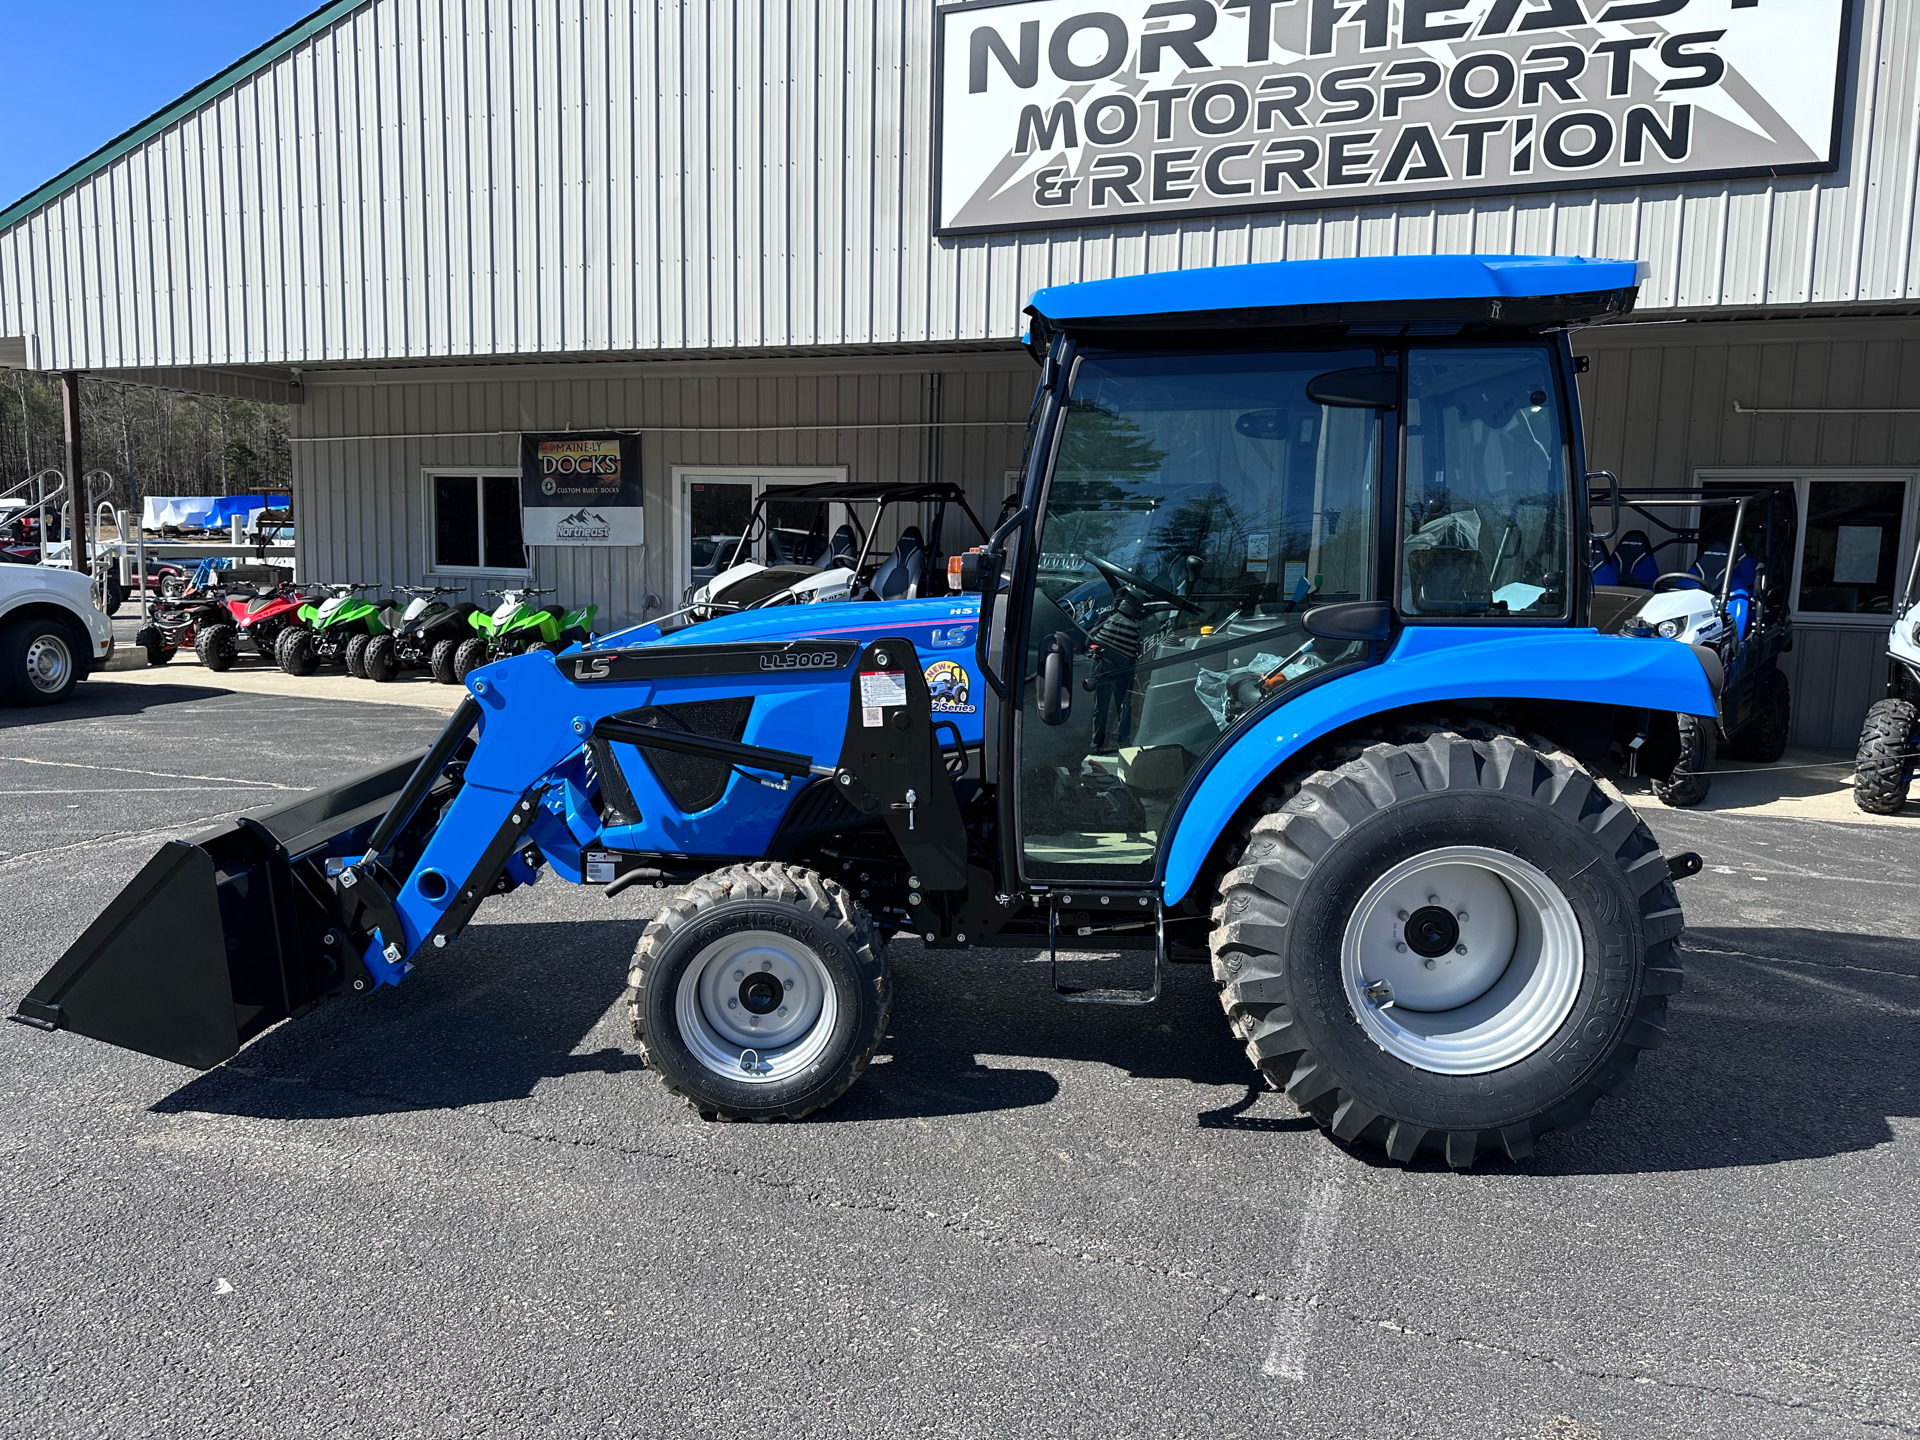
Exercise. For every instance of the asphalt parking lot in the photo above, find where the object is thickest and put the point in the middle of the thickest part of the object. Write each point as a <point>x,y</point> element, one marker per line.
<point>460,1208</point>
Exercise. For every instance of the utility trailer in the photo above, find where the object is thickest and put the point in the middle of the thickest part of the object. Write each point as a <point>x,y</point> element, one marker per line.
<point>1301,546</point>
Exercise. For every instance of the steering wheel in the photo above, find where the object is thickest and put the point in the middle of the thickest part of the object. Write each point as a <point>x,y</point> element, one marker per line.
<point>1116,578</point>
<point>1660,585</point>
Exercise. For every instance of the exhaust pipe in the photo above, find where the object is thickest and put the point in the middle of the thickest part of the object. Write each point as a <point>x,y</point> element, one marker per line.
<point>222,937</point>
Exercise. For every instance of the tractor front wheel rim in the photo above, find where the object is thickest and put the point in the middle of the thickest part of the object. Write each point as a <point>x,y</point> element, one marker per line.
<point>756,1006</point>
<point>49,663</point>
<point>1462,960</point>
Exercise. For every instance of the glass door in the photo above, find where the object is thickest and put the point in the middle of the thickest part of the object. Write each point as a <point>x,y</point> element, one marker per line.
<point>1199,506</point>
<point>717,512</point>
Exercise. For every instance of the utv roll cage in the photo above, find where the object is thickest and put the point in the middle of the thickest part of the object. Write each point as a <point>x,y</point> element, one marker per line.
<point>763,525</point>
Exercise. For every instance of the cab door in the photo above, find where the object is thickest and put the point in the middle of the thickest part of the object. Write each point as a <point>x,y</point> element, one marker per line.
<point>1198,505</point>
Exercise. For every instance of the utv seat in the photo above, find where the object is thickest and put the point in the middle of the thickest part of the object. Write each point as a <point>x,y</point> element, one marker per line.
<point>899,574</point>
<point>1636,562</point>
<point>1711,568</point>
<point>1603,562</point>
<point>841,547</point>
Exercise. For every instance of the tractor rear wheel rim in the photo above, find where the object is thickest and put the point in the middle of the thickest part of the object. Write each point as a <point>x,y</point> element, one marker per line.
<point>756,1006</point>
<point>1462,960</point>
<point>49,663</point>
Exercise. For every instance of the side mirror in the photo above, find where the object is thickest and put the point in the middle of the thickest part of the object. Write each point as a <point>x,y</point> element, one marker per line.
<point>1056,679</point>
<point>1375,387</point>
<point>1353,620</point>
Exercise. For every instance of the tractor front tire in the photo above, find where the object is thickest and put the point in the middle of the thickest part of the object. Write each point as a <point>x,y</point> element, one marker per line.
<point>218,647</point>
<point>1692,776</point>
<point>1764,737</point>
<point>294,652</point>
<point>379,662</point>
<point>444,671</point>
<point>1447,945</point>
<point>471,655</point>
<point>1883,769</point>
<point>354,657</point>
<point>759,993</point>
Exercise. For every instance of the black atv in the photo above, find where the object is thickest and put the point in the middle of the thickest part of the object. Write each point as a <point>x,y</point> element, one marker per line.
<point>425,636</point>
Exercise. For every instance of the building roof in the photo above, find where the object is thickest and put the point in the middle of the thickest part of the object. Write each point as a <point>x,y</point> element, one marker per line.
<point>1525,289</point>
<point>248,64</point>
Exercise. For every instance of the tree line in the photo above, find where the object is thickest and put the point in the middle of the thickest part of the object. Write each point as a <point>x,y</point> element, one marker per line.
<point>153,442</point>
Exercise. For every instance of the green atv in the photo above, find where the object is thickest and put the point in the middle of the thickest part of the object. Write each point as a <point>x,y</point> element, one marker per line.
<point>517,626</point>
<point>335,631</point>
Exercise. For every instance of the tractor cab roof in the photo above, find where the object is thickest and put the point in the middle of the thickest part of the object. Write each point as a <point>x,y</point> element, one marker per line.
<point>1382,295</point>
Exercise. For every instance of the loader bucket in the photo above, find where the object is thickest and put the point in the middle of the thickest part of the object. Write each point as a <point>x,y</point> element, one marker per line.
<point>221,937</point>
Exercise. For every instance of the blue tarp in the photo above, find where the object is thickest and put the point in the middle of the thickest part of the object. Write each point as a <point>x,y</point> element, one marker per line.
<point>205,512</point>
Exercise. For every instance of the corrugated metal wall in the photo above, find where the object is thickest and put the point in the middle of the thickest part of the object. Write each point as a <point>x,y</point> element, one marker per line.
<point>362,503</point>
<point>1659,409</point>
<point>438,178</point>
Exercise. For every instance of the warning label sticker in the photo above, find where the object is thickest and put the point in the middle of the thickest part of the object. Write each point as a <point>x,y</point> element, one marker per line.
<point>883,687</point>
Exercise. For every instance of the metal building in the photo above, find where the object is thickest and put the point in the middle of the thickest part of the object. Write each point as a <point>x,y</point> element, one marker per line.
<point>792,239</point>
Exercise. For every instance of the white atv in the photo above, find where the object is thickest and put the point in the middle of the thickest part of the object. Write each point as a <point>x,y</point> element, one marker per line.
<point>1889,753</point>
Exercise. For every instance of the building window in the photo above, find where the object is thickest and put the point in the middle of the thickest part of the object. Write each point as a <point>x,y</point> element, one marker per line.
<point>1852,533</point>
<point>474,527</point>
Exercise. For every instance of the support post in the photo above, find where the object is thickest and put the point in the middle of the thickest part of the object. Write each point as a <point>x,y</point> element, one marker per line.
<point>77,541</point>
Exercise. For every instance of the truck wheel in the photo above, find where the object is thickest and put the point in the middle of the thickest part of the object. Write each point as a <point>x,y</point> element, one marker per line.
<point>355,652</point>
<point>442,661</point>
<point>294,651</point>
<point>39,661</point>
<point>471,655</point>
<point>1448,945</point>
<point>218,646</point>
<point>759,993</point>
<point>378,661</point>
<point>1764,740</point>
<point>155,644</point>
<point>1692,775</point>
<point>1883,769</point>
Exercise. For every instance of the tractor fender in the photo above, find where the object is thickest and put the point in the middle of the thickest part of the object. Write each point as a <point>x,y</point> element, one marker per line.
<point>1428,665</point>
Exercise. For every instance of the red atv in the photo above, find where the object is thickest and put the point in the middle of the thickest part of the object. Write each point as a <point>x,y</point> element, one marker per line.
<point>255,616</point>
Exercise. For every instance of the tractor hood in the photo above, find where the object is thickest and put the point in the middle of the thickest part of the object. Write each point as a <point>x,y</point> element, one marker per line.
<point>853,620</point>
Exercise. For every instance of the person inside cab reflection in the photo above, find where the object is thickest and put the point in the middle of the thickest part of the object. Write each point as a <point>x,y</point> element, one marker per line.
<point>1115,643</point>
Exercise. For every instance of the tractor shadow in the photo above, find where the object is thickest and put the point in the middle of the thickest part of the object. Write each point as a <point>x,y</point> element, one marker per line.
<point>1787,1045</point>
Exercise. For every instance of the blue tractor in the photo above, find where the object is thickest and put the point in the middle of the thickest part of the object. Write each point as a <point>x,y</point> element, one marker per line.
<point>1280,660</point>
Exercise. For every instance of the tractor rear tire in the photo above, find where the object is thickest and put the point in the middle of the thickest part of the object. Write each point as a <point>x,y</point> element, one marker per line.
<point>294,652</point>
<point>1883,769</point>
<point>1763,740</point>
<point>1360,995</point>
<point>738,948</point>
<point>355,653</point>
<point>218,647</point>
<point>1692,777</point>
<point>379,662</point>
<point>471,655</point>
<point>442,660</point>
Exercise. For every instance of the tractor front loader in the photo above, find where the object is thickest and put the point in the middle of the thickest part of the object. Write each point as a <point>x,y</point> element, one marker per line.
<point>1280,662</point>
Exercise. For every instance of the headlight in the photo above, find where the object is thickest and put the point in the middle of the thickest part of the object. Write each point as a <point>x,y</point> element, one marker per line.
<point>1916,632</point>
<point>1669,629</point>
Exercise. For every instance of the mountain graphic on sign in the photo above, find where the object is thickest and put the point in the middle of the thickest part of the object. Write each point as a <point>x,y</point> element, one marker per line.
<point>582,516</point>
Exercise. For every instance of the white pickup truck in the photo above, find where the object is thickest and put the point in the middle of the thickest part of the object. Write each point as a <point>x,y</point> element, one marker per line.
<point>51,636</point>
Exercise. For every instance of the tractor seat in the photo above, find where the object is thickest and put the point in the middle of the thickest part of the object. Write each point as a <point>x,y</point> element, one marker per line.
<point>1635,561</point>
<point>899,574</point>
<point>1448,580</point>
<point>1602,561</point>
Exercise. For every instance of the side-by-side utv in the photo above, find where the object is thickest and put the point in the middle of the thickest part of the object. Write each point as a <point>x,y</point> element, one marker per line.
<point>1283,662</point>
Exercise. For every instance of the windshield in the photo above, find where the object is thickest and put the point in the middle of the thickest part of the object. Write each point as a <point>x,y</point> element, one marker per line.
<point>1200,505</point>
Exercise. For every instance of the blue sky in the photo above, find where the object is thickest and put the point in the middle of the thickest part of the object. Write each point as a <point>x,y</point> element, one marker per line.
<point>79,72</point>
